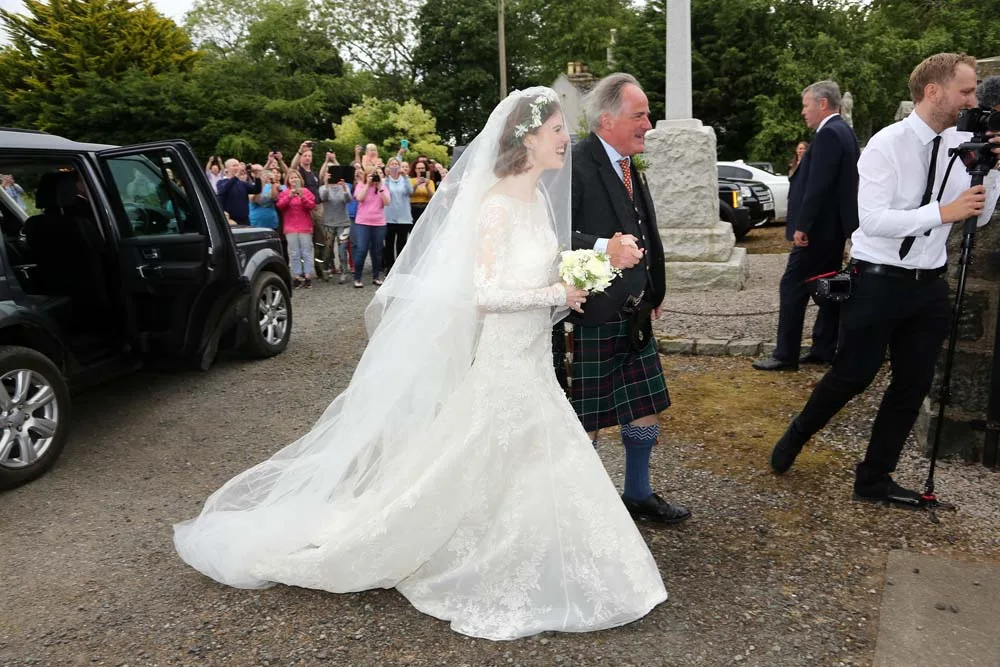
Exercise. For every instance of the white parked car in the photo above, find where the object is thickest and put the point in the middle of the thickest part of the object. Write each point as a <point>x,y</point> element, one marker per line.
<point>778,184</point>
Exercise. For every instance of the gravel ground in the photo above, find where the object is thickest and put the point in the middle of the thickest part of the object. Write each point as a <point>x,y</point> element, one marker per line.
<point>749,314</point>
<point>770,571</point>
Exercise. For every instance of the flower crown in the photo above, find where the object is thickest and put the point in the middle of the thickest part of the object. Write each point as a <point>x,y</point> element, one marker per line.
<point>546,97</point>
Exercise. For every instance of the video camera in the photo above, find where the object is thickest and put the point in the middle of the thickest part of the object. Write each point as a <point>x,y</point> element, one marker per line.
<point>977,155</point>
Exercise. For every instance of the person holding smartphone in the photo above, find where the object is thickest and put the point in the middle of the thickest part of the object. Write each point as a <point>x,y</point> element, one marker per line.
<point>399,218</point>
<point>370,224</point>
<point>423,190</point>
<point>335,196</point>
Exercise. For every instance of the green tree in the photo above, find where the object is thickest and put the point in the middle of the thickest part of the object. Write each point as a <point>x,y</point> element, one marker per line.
<point>54,45</point>
<point>642,43</point>
<point>384,123</point>
<point>222,26</point>
<point>560,32</point>
<point>456,63</point>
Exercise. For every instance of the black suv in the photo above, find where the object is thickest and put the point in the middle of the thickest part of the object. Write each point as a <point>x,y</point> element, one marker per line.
<point>733,207</point>
<point>112,256</point>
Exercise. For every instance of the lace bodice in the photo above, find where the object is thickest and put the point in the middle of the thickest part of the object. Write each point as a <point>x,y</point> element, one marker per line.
<point>515,263</point>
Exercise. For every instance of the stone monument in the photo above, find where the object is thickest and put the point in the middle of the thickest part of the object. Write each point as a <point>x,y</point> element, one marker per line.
<point>699,248</point>
<point>847,108</point>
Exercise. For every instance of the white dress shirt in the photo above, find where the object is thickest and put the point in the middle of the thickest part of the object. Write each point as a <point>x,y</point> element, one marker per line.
<point>601,245</point>
<point>892,177</point>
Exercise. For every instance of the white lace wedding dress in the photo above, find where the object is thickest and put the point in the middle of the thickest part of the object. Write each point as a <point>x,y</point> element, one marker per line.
<point>502,520</point>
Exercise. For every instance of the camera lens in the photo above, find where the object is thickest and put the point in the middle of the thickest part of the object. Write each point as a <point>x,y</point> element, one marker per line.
<point>993,121</point>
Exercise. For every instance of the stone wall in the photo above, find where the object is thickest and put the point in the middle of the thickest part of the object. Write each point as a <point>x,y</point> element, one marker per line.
<point>965,416</point>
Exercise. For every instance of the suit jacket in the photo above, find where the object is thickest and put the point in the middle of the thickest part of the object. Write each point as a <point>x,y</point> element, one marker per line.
<point>601,207</point>
<point>823,192</point>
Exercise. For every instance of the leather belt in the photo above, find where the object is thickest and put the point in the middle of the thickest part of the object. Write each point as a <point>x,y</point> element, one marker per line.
<point>859,266</point>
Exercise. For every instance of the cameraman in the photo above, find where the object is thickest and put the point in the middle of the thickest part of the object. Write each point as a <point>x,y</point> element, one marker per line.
<point>899,295</point>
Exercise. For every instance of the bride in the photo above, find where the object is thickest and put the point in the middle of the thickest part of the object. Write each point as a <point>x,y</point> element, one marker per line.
<point>452,467</point>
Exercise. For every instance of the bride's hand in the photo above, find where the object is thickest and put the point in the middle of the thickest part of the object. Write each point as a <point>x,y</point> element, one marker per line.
<point>575,297</point>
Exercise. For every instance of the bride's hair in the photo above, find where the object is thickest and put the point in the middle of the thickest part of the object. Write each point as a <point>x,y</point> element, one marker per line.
<point>528,115</point>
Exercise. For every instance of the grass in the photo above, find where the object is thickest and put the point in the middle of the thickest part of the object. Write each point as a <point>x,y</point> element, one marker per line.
<point>769,240</point>
<point>735,414</point>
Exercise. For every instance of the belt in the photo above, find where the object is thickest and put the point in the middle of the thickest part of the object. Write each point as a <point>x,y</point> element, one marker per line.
<point>859,266</point>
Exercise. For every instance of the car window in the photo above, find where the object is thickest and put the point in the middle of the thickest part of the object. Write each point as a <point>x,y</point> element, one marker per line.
<point>727,171</point>
<point>151,189</point>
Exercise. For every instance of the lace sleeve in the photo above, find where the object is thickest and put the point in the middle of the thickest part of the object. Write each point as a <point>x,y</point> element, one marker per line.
<point>495,228</point>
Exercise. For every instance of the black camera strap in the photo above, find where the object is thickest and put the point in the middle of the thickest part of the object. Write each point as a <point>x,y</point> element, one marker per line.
<point>907,243</point>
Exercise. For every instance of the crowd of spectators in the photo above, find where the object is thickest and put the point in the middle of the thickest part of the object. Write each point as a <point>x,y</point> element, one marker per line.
<point>334,219</point>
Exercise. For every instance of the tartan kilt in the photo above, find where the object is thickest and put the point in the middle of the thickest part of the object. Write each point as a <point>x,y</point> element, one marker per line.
<point>613,385</point>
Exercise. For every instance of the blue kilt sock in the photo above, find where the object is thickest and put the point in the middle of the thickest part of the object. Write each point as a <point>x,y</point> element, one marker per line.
<point>638,441</point>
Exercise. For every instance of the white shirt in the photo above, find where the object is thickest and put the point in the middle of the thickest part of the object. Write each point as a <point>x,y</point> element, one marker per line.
<point>893,175</point>
<point>601,245</point>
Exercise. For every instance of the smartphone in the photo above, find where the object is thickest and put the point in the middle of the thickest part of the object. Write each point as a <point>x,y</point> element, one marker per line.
<point>404,143</point>
<point>311,144</point>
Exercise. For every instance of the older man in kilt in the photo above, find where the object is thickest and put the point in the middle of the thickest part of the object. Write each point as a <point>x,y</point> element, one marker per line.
<point>617,378</point>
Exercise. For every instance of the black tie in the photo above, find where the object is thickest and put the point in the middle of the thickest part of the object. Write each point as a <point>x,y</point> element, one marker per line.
<point>904,249</point>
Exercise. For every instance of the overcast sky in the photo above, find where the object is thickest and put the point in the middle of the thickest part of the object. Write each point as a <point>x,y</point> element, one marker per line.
<point>175,9</point>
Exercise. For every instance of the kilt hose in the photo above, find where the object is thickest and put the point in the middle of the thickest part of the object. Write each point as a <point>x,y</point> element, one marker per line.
<point>612,385</point>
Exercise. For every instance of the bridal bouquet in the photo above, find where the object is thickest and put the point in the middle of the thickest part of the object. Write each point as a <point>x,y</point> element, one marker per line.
<point>587,269</point>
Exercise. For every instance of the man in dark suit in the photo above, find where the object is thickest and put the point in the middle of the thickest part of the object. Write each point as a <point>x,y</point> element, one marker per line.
<point>822,214</point>
<point>617,376</point>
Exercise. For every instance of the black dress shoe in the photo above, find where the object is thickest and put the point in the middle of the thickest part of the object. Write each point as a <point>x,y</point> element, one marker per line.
<point>887,492</point>
<point>656,509</point>
<point>788,447</point>
<point>772,364</point>
<point>812,358</point>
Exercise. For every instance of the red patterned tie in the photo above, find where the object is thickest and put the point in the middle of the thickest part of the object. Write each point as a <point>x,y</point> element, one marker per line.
<point>627,174</point>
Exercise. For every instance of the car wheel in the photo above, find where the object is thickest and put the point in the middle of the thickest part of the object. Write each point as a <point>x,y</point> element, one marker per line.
<point>270,316</point>
<point>34,415</point>
<point>727,214</point>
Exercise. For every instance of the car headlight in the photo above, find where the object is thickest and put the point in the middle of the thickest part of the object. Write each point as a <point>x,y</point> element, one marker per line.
<point>746,191</point>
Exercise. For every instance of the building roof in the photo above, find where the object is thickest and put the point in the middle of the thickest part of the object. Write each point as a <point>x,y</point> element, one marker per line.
<point>583,81</point>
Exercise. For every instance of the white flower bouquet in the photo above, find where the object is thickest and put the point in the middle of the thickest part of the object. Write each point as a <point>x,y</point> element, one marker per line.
<point>587,269</point>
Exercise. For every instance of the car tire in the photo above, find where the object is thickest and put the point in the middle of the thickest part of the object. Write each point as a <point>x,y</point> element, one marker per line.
<point>31,438</point>
<point>270,315</point>
<point>727,214</point>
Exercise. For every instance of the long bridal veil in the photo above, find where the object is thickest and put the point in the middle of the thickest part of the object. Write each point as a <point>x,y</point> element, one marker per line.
<point>423,327</point>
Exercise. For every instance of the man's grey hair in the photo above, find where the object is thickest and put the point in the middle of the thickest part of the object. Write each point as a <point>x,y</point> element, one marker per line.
<point>825,90</point>
<point>606,97</point>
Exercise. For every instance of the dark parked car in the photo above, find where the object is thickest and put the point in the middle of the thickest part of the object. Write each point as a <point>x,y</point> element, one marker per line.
<point>115,256</point>
<point>733,208</point>
<point>760,202</point>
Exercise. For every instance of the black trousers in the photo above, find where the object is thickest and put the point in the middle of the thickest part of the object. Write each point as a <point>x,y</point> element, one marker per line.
<point>911,318</point>
<point>395,239</point>
<point>804,263</point>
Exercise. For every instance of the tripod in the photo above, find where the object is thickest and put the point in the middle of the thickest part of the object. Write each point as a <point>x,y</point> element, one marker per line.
<point>928,499</point>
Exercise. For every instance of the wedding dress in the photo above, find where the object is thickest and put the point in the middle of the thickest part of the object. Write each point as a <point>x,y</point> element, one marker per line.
<point>488,506</point>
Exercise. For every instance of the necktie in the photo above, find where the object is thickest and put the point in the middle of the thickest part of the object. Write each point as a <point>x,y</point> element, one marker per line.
<point>904,248</point>
<point>627,174</point>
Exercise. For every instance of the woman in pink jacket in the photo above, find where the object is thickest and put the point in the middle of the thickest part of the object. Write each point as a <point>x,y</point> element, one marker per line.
<point>295,204</point>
